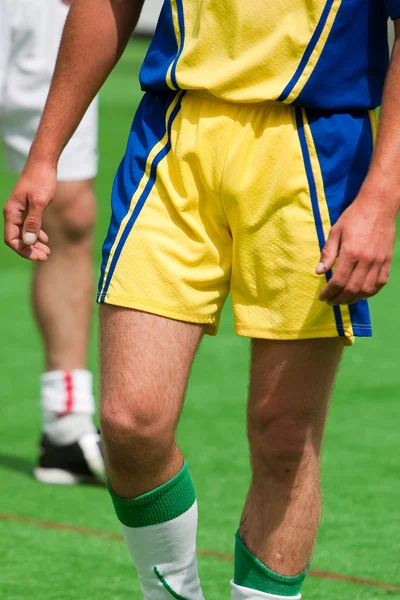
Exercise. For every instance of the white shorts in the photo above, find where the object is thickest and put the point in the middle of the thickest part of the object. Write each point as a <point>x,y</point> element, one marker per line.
<point>30,33</point>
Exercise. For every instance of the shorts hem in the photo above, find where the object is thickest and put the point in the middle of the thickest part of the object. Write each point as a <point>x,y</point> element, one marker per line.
<point>347,335</point>
<point>74,175</point>
<point>210,327</point>
<point>77,176</point>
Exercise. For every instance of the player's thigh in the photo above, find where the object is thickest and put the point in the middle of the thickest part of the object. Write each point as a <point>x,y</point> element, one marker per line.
<point>145,364</point>
<point>290,388</point>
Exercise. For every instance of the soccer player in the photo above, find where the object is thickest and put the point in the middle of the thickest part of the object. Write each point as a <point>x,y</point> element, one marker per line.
<point>249,168</point>
<point>30,33</point>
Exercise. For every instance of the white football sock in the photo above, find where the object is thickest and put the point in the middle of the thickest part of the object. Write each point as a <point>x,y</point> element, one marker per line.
<point>242,593</point>
<point>68,405</point>
<point>161,541</point>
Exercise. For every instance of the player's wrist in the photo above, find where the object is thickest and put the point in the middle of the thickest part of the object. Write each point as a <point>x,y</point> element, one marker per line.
<point>39,168</point>
<point>43,156</point>
<point>381,193</point>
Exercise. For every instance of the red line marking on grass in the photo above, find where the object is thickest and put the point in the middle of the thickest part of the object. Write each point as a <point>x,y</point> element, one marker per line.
<point>62,527</point>
<point>390,587</point>
<point>105,535</point>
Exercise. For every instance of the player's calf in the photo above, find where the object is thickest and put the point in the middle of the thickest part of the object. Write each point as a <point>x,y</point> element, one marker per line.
<point>289,395</point>
<point>145,366</point>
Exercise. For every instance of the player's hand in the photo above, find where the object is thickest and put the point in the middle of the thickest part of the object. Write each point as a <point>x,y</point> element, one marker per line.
<point>23,212</point>
<point>361,246</point>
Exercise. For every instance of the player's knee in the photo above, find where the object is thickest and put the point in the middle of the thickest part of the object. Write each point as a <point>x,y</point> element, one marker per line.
<point>282,443</point>
<point>138,433</point>
<point>74,212</point>
<point>78,228</point>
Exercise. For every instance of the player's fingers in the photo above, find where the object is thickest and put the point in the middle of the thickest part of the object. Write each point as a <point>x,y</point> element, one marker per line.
<point>368,278</point>
<point>43,237</point>
<point>38,255</point>
<point>30,253</point>
<point>11,232</point>
<point>32,221</point>
<point>330,251</point>
<point>384,274</point>
<point>352,289</point>
<point>376,279</point>
<point>338,281</point>
<point>42,248</point>
<point>36,252</point>
<point>12,222</point>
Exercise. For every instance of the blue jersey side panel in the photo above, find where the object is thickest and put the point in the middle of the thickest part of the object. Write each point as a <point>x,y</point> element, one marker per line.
<point>162,53</point>
<point>356,81</point>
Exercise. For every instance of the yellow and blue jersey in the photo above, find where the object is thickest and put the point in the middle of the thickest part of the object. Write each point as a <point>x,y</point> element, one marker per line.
<point>324,54</point>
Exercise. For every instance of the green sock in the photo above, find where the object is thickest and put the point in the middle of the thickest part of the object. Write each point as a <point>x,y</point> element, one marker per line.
<point>165,503</point>
<point>251,573</point>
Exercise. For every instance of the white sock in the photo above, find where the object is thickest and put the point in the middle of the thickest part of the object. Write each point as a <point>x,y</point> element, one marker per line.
<point>68,405</point>
<point>242,593</point>
<point>161,541</point>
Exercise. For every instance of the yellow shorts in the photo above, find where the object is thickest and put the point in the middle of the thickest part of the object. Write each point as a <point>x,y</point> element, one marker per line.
<point>213,198</point>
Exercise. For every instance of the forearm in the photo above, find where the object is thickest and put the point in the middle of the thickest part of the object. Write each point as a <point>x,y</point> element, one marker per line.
<point>384,173</point>
<point>95,35</point>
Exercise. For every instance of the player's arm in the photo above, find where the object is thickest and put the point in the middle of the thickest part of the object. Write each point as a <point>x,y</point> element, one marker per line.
<point>95,35</point>
<point>361,243</point>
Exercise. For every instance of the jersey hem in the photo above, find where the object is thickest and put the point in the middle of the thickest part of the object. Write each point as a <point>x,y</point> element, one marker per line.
<point>207,95</point>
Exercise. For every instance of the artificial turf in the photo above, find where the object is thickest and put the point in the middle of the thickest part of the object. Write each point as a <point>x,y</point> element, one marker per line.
<point>360,532</point>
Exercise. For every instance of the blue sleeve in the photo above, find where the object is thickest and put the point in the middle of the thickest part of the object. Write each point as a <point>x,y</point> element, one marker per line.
<point>393,9</point>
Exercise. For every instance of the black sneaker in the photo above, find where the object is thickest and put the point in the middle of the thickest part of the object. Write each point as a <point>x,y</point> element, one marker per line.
<point>80,462</point>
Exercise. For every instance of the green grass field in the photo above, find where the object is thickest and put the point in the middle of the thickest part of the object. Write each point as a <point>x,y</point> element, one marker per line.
<point>63,543</point>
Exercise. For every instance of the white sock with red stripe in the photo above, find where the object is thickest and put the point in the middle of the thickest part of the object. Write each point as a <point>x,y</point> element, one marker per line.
<point>68,405</point>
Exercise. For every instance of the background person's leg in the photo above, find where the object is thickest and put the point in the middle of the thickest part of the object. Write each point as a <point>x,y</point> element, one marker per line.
<point>62,288</point>
<point>290,388</point>
<point>62,299</point>
<point>145,365</point>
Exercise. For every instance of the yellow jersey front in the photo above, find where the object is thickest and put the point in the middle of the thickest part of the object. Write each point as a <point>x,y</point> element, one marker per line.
<point>328,54</point>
